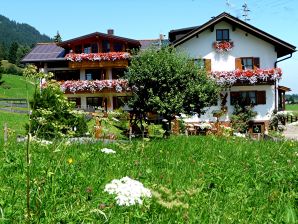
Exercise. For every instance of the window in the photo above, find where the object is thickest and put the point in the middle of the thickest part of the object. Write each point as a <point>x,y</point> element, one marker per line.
<point>222,35</point>
<point>78,49</point>
<point>61,75</point>
<point>247,63</point>
<point>105,46</point>
<point>118,73</point>
<point>87,48</point>
<point>76,100</point>
<point>94,48</point>
<point>248,97</point>
<point>203,63</point>
<point>94,101</point>
<point>257,128</point>
<point>119,101</point>
<point>118,47</point>
<point>93,74</point>
<point>200,62</point>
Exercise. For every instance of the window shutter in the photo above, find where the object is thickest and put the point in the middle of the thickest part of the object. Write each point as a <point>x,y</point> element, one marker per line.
<point>238,64</point>
<point>256,63</point>
<point>207,64</point>
<point>261,97</point>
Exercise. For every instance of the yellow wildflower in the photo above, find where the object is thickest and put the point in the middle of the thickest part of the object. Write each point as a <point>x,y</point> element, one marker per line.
<point>70,161</point>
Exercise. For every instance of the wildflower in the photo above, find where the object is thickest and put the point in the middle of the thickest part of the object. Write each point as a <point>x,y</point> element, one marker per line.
<point>108,151</point>
<point>89,190</point>
<point>102,206</point>
<point>70,161</point>
<point>128,191</point>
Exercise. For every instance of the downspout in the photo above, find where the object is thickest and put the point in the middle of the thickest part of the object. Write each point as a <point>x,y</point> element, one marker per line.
<point>275,82</point>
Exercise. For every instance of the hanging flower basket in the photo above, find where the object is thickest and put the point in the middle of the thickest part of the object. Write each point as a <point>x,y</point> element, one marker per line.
<point>223,46</point>
<point>251,76</point>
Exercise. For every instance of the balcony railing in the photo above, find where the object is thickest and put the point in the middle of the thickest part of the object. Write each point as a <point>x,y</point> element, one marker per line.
<point>248,76</point>
<point>98,60</point>
<point>92,86</point>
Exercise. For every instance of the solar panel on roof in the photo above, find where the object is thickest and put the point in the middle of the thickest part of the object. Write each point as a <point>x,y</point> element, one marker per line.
<point>45,52</point>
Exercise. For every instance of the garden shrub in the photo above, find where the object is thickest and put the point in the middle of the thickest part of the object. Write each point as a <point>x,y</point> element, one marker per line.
<point>53,116</point>
<point>241,116</point>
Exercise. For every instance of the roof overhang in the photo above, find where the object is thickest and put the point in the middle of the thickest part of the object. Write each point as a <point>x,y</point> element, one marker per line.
<point>97,35</point>
<point>282,48</point>
<point>284,88</point>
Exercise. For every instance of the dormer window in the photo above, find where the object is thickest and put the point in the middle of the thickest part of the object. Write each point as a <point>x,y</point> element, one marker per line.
<point>222,35</point>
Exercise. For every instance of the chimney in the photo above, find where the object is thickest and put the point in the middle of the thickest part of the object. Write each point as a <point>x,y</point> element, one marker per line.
<point>110,31</point>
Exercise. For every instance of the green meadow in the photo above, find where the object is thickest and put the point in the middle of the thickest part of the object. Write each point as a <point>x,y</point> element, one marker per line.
<point>192,180</point>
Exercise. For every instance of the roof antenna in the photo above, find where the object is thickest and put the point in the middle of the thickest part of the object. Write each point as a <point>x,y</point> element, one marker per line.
<point>245,12</point>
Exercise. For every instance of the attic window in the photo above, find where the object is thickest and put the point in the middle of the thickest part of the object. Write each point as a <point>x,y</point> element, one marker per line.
<point>222,35</point>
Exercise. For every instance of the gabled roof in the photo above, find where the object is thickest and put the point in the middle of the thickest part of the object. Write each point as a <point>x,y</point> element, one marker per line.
<point>98,34</point>
<point>153,43</point>
<point>45,52</point>
<point>181,31</point>
<point>282,48</point>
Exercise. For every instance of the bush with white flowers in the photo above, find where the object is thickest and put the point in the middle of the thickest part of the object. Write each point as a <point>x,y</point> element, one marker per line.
<point>128,191</point>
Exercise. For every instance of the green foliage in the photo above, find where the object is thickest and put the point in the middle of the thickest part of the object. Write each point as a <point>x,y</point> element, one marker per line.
<point>15,86</point>
<point>169,83</point>
<point>1,72</point>
<point>12,54</point>
<point>241,116</point>
<point>53,116</point>
<point>57,38</point>
<point>3,51</point>
<point>292,98</point>
<point>193,180</point>
<point>21,33</point>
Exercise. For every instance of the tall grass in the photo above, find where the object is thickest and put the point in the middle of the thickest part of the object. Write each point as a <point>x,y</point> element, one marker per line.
<point>193,180</point>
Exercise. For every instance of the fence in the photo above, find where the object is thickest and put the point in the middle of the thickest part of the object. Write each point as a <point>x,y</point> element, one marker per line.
<point>16,105</point>
<point>291,119</point>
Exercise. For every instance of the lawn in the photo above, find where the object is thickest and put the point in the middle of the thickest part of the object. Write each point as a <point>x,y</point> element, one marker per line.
<point>292,107</point>
<point>15,86</point>
<point>192,179</point>
<point>15,122</point>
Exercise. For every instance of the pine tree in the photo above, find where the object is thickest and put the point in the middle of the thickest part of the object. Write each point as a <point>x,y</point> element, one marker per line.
<point>12,54</point>
<point>21,52</point>
<point>2,51</point>
<point>57,38</point>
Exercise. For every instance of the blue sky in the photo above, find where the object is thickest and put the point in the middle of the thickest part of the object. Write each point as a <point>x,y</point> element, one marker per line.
<point>140,19</point>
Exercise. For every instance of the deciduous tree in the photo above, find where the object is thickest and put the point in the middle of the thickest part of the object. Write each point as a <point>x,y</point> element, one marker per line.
<point>168,83</point>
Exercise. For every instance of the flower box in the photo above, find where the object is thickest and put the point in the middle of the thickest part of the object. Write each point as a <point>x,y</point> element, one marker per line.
<point>250,76</point>
<point>223,46</point>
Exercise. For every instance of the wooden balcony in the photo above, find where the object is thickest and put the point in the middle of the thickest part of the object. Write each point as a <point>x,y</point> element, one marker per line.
<point>98,64</point>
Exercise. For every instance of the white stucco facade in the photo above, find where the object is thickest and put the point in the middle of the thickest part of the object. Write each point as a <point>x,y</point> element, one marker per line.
<point>245,45</point>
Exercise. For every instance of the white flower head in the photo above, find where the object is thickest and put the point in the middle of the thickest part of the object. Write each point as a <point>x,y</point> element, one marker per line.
<point>128,191</point>
<point>108,151</point>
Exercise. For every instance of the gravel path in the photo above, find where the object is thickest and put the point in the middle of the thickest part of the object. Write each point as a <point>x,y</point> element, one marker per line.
<point>292,131</point>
